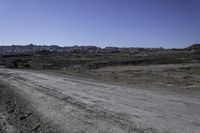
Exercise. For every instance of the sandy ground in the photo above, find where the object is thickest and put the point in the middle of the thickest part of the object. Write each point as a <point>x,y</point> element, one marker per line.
<point>86,106</point>
<point>5,127</point>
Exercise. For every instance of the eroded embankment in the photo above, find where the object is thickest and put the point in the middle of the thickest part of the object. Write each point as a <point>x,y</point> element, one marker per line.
<point>18,116</point>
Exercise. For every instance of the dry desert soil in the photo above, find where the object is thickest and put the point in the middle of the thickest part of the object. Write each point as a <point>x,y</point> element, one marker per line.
<point>43,102</point>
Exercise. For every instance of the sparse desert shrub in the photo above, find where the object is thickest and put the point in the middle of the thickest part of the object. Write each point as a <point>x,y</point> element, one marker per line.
<point>25,65</point>
<point>11,65</point>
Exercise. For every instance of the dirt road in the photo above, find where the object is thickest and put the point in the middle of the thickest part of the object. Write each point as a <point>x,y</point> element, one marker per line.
<point>76,105</point>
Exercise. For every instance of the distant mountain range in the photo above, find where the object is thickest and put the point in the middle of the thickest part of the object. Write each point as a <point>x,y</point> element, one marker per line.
<point>194,47</point>
<point>30,49</point>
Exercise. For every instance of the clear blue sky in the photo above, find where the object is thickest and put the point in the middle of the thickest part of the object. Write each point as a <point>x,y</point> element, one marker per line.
<point>135,23</point>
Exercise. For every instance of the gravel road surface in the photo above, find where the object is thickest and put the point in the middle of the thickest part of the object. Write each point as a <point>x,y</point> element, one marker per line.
<point>86,106</point>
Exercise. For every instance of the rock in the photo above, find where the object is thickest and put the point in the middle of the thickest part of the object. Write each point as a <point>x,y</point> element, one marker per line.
<point>36,127</point>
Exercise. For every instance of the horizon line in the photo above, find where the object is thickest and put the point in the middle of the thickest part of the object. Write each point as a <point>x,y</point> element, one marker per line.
<point>81,45</point>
